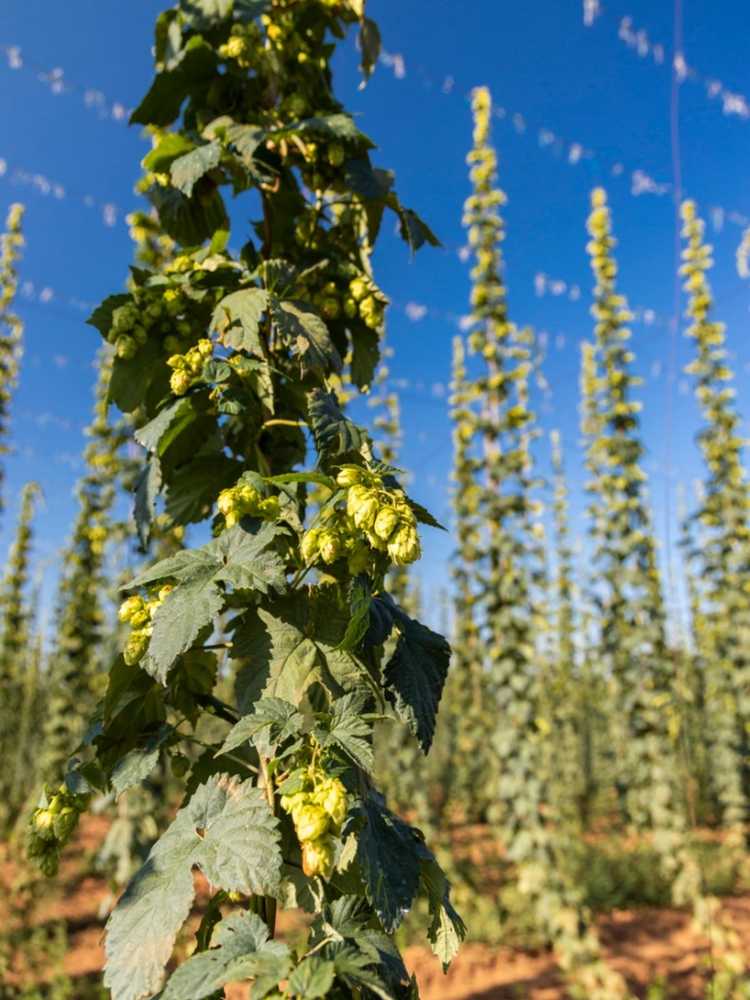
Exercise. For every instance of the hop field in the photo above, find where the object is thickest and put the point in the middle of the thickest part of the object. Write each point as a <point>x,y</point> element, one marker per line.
<point>284,715</point>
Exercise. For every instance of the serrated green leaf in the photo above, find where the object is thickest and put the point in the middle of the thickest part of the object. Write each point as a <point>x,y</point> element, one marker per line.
<point>189,70</point>
<point>337,127</point>
<point>423,515</point>
<point>309,335</point>
<point>414,231</point>
<point>359,605</point>
<point>312,979</point>
<point>150,434</point>
<point>365,355</point>
<point>136,765</point>
<point>291,642</point>
<point>335,435</point>
<point>350,731</point>
<point>169,148</point>
<point>193,488</point>
<point>388,854</point>
<point>236,557</point>
<point>272,719</point>
<point>179,620</point>
<point>248,10</point>
<point>242,945</point>
<point>187,170</point>
<point>229,832</point>
<point>237,318</point>
<point>415,675</point>
<point>132,377</point>
<point>447,930</point>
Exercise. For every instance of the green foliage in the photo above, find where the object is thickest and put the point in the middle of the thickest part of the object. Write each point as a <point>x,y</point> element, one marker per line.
<point>18,659</point>
<point>223,363</point>
<point>11,326</point>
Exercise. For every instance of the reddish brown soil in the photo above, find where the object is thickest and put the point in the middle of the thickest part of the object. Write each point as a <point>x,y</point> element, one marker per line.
<point>644,945</point>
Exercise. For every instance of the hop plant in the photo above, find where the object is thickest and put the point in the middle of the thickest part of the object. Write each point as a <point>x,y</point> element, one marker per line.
<point>52,825</point>
<point>233,396</point>
<point>11,326</point>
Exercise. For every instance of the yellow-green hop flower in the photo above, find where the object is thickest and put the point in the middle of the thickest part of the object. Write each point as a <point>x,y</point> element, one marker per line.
<point>180,382</point>
<point>136,646</point>
<point>317,857</point>
<point>311,822</point>
<point>329,546</point>
<point>349,475</point>
<point>386,522</point>
<point>309,544</point>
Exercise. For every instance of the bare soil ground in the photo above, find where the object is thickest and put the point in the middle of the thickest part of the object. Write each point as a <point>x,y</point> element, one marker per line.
<point>645,945</point>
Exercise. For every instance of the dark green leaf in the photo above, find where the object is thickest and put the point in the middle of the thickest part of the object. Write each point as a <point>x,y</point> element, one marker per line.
<point>186,611</point>
<point>187,170</point>
<point>335,435</point>
<point>415,675</point>
<point>236,557</point>
<point>190,221</point>
<point>388,853</point>
<point>193,488</point>
<point>369,45</point>
<point>423,515</point>
<point>339,127</point>
<point>147,488</point>
<point>101,317</point>
<point>365,355</point>
<point>309,335</point>
<point>359,603</point>
<point>192,67</point>
<point>290,643</point>
<point>150,434</point>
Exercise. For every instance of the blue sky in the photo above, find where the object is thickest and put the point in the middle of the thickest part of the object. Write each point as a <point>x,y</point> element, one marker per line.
<point>576,107</point>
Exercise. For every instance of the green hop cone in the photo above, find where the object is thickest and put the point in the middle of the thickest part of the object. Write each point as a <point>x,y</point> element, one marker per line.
<point>65,823</point>
<point>362,506</point>
<point>309,545</point>
<point>131,608</point>
<point>404,547</point>
<point>358,289</point>
<point>180,382</point>
<point>49,864</point>
<point>386,522</point>
<point>310,822</point>
<point>332,797</point>
<point>42,822</point>
<point>329,545</point>
<point>293,803</point>
<point>349,475</point>
<point>135,647</point>
<point>317,857</point>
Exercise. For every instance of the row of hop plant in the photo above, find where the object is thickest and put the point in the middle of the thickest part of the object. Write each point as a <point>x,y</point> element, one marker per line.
<point>228,370</point>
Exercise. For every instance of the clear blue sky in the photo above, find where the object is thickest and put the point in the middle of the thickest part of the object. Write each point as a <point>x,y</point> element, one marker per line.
<point>559,83</point>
